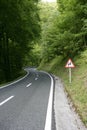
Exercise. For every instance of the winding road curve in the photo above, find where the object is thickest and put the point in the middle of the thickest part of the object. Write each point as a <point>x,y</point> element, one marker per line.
<point>27,103</point>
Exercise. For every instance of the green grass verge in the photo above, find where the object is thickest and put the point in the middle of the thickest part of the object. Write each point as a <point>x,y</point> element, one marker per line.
<point>22,74</point>
<point>77,90</point>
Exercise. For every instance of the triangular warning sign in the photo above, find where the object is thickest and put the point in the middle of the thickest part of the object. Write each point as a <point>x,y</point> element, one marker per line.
<point>69,64</point>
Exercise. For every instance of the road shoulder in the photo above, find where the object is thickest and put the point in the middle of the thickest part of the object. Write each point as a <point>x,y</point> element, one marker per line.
<point>65,116</point>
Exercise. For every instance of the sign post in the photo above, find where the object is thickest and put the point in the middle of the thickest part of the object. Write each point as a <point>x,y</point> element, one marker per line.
<point>70,75</point>
<point>70,65</point>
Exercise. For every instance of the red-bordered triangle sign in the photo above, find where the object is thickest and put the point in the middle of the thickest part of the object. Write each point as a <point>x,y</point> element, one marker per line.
<point>69,64</point>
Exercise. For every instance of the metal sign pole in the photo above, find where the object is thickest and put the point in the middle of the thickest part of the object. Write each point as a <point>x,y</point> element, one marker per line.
<point>70,75</point>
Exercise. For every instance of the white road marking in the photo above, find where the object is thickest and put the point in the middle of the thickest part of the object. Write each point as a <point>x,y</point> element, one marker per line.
<point>29,85</point>
<point>48,123</point>
<point>36,78</point>
<point>6,100</point>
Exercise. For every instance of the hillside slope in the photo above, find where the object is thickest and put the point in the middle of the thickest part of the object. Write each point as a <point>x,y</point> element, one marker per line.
<point>77,90</point>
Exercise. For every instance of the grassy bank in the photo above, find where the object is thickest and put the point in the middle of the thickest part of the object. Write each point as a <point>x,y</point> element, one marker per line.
<point>21,74</point>
<point>77,90</point>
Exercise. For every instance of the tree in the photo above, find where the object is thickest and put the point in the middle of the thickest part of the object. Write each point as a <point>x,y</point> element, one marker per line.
<point>48,14</point>
<point>19,26</point>
<point>67,34</point>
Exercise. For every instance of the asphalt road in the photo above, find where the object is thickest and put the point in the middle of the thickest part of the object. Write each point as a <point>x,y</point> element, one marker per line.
<point>23,105</point>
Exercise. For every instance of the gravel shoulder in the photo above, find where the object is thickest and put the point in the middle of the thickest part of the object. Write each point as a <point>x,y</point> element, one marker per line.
<point>65,116</point>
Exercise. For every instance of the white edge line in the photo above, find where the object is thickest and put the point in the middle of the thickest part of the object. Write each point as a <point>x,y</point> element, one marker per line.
<point>6,100</point>
<point>48,122</point>
<point>15,81</point>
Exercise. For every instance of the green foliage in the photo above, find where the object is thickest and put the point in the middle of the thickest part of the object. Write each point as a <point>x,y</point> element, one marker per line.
<point>34,56</point>
<point>65,33</point>
<point>19,27</point>
<point>48,13</point>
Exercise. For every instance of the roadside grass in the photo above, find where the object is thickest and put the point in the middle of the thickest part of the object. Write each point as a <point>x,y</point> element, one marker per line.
<point>22,74</point>
<point>77,90</point>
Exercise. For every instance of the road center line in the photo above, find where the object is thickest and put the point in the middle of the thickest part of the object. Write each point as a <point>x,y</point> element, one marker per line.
<point>29,85</point>
<point>6,100</point>
<point>36,78</point>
